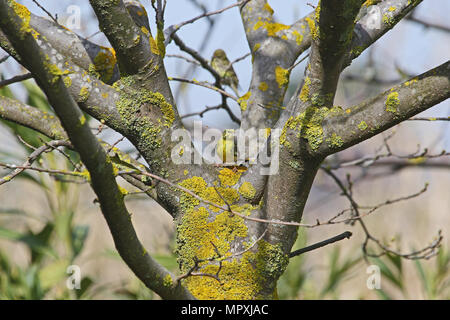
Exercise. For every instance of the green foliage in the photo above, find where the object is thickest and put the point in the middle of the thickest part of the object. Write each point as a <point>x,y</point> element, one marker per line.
<point>433,276</point>
<point>58,241</point>
<point>35,98</point>
<point>296,282</point>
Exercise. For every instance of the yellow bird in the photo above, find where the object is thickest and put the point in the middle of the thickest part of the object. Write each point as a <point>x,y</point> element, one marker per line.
<point>227,150</point>
<point>222,66</point>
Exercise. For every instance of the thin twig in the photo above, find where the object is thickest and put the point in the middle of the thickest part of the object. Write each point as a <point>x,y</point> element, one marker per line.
<point>344,235</point>
<point>178,26</point>
<point>205,85</point>
<point>55,19</point>
<point>207,109</point>
<point>15,79</point>
<point>31,158</point>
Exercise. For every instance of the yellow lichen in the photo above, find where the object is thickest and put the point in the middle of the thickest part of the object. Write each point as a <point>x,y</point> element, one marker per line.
<point>410,82</point>
<point>272,28</point>
<point>67,81</point>
<point>263,86</point>
<point>335,141</point>
<point>362,125</point>
<point>281,76</point>
<point>154,46</point>
<point>268,8</point>
<point>82,119</point>
<point>145,31</point>
<point>54,70</point>
<point>229,177</point>
<point>25,15</point>
<point>168,282</point>
<point>241,279</point>
<point>247,190</point>
<point>313,29</point>
<point>83,94</point>
<point>243,101</point>
<point>304,93</point>
<point>104,63</point>
<point>298,37</point>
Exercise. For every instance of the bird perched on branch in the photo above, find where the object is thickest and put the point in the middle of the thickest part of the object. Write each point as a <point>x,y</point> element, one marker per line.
<point>227,150</point>
<point>223,67</point>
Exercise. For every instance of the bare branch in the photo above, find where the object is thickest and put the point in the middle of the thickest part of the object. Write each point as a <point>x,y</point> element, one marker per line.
<point>31,158</point>
<point>382,112</point>
<point>130,43</point>
<point>342,236</point>
<point>427,24</point>
<point>169,32</point>
<point>47,124</point>
<point>15,79</point>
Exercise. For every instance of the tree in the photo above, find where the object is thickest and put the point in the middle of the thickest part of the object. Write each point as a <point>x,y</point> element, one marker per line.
<point>235,226</point>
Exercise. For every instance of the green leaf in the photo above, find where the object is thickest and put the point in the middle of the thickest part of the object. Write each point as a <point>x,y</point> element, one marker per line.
<point>85,284</point>
<point>36,97</point>
<point>12,211</point>
<point>79,235</point>
<point>33,242</point>
<point>389,274</point>
<point>422,276</point>
<point>383,294</point>
<point>53,273</point>
<point>44,238</point>
<point>168,261</point>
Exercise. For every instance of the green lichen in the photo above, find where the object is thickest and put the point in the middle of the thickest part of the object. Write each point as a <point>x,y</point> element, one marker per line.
<point>67,81</point>
<point>392,102</point>
<point>54,70</point>
<point>308,125</point>
<point>160,42</point>
<point>362,125</point>
<point>167,281</point>
<point>335,141</point>
<point>144,111</point>
<point>83,95</point>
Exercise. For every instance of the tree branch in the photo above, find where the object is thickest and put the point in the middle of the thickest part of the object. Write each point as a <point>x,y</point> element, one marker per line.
<point>132,45</point>
<point>382,112</point>
<point>92,155</point>
<point>33,118</point>
<point>376,21</point>
<point>342,236</point>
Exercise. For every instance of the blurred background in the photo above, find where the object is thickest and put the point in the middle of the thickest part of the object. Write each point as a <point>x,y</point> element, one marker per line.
<point>48,223</point>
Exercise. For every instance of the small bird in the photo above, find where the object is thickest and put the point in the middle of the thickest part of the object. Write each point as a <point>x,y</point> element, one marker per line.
<point>227,150</point>
<point>222,66</point>
<point>226,147</point>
